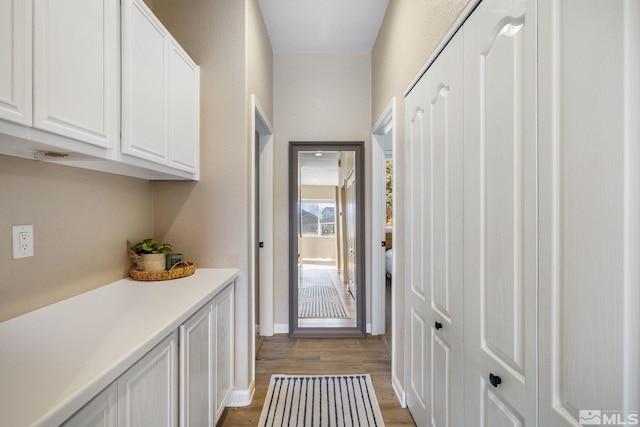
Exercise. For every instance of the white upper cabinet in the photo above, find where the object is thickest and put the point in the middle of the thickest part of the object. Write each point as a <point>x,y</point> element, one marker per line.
<point>76,69</point>
<point>184,112</point>
<point>161,93</point>
<point>97,84</point>
<point>15,57</point>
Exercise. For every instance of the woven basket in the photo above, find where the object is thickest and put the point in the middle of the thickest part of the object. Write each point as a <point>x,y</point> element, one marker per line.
<point>180,269</point>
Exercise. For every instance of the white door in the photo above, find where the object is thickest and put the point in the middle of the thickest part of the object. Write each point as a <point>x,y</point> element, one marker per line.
<point>500,215</point>
<point>76,69</point>
<point>15,57</point>
<point>435,296</point>
<point>589,70</point>
<point>416,327</point>
<point>443,254</point>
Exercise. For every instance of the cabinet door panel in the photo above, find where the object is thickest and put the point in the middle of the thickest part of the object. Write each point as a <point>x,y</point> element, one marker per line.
<point>184,132</point>
<point>76,69</point>
<point>500,214</point>
<point>144,84</point>
<point>100,412</point>
<point>147,392</point>
<point>224,355</point>
<point>196,368</point>
<point>15,55</point>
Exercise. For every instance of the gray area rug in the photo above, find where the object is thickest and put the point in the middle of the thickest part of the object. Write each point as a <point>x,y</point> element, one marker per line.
<point>320,401</point>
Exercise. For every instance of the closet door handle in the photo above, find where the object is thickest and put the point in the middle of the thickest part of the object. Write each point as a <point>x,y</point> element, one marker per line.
<point>437,325</point>
<point>495,380</point>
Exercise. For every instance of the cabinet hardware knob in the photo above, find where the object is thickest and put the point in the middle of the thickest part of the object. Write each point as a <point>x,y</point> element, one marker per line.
<point>495,380</point>
<point>438,325</point>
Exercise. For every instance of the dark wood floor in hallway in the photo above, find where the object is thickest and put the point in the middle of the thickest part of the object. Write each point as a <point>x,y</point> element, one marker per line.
<point>280,355</point>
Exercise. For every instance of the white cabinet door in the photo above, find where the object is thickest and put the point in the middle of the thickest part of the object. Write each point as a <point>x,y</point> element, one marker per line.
<point>223,307</point>
<point>161,93</point>
<point>416,314</point>
<point>77,69</point>
<point>144,83</point>
<point>500,215</point>
<point>148,391</point>
<point>197,360</point>
<point>101,411</point>
<point>589,73</point>
<point>184,111</point>
<point>15,57</point>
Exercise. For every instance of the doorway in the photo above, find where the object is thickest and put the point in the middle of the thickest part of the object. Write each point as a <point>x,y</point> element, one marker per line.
<point>326,240</point>
<point>262,222</point>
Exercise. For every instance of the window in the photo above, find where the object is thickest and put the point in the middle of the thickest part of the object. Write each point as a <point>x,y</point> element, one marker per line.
<point>318,218</point>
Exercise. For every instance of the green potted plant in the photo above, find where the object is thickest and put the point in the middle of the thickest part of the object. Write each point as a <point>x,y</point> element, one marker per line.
<point>152,253</point>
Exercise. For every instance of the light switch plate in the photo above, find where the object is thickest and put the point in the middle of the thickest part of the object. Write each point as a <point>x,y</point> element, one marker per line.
<point>22,241</point>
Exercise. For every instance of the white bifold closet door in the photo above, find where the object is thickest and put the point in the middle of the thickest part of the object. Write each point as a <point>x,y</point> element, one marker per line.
<point>434,109</point>
<point>500,215</point>
<point>589,56</point>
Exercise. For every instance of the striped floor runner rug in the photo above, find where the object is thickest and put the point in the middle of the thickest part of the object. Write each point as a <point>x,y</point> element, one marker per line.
<point>321,401</point>
<point>320,302</point>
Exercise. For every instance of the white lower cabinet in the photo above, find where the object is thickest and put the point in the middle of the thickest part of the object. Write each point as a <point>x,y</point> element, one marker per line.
<point>148,391</point>
<point>100,412</point>
<point>206,361</point>
<point>223,306</point>
<point>197,358</point>
<point>145,395</point>
<point>183,381</point>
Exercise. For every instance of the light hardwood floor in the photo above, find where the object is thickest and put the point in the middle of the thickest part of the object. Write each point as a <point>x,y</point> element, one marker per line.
<point>280,355</point>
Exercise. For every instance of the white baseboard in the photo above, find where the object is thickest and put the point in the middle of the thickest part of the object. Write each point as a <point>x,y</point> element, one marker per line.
<point>399,390</point>
<point>281,328</point>
<point>242,397</point>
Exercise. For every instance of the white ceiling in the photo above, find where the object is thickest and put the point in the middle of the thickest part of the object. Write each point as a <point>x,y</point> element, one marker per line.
<point>319,169</point>
<point>323,25</point>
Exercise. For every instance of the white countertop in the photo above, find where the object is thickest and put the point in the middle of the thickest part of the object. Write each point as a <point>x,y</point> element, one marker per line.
<point>55,359</point>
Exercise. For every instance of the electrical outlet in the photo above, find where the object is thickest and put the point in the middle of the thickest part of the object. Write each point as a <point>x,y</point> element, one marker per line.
<point>22,241</point>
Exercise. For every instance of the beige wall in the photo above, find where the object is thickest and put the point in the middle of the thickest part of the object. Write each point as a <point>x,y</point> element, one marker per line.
<point>320,192</point>
<point>81,221</point>
<point>317,97</point>
<point>410,32</point>
<point>209,221</point>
